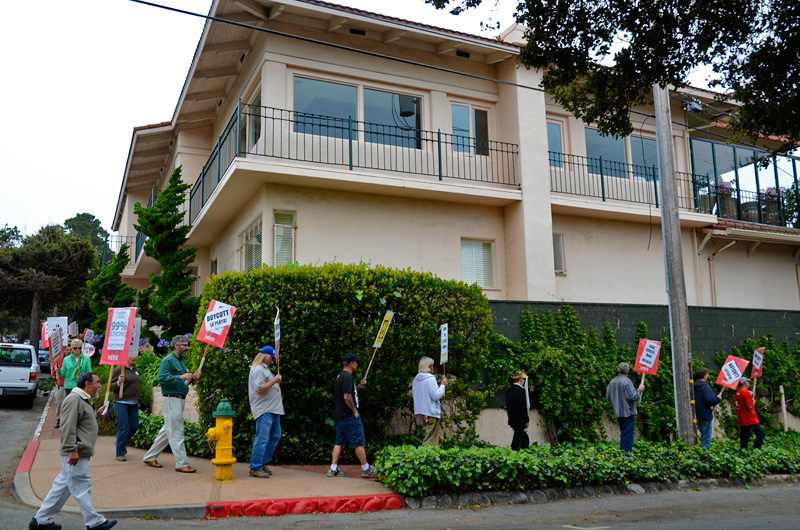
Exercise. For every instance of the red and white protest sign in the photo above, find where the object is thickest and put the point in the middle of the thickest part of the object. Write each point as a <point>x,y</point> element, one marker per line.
<point>732,370</point>
<point>647,356</point>
<point>216,324</point>
<point>118,335</point>
<point>45,341</point>
<point>758,361</point>
<point>56,348</point>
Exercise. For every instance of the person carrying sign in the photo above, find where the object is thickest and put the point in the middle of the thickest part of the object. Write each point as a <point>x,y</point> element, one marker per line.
<point>427,408</point>
<point>59,393</point>
<point>623,398</point>
<point>266,404</point>
<point>746,416</point>
<point>349,430</point>
<point>174,379</point>
<point>704,400</point>
<point>74,365</point>
<point>78,437</point>
<point>517,409</point>
<point>126,406</point>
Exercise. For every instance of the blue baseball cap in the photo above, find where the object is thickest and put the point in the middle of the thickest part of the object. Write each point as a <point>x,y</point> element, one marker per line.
<point>269,350</point>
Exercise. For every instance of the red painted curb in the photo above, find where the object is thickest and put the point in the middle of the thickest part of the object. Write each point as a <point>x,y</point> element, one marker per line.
<point>26,463</point>
<point>275,507</point>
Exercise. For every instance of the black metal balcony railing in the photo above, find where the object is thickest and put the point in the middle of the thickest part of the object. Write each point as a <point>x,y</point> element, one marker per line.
<point>289,135</point>
<point>595,177</point>
<point>140,237</point>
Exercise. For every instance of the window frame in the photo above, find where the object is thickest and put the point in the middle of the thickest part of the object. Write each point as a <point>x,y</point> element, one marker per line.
<point>492,262</point>
<point>630,174</point>
<point>253,231</point>
<point>559,252</point>
<point>472,141</point>
<point>293,228</point>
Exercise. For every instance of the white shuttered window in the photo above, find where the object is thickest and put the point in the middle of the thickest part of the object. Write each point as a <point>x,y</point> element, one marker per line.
<point>476,263</point>
<point>250,247</point>
<point>284,238</point>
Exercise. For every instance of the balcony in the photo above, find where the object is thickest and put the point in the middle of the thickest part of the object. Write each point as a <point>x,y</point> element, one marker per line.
<point>255,131</point>
<point>140,237</point>
<point>614,181</point>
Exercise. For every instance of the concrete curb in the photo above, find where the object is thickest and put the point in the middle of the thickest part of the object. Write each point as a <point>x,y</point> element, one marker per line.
<point>276,507</point>
<point>556,494</point>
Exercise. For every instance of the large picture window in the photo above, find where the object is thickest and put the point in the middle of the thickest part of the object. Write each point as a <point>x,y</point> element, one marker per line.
<point>392,119</point>
<point>324,108</point>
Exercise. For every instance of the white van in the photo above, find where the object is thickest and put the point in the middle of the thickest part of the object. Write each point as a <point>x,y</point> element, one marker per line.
<point>19,372</point>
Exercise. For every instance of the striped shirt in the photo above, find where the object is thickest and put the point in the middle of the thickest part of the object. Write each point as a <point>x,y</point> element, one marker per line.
<point>623,396</point>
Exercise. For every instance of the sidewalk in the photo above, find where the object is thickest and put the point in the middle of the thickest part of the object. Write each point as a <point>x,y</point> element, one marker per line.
<point>131,489</point>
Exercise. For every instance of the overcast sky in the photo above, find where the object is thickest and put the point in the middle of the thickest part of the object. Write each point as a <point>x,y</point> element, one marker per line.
<point>80,74</point>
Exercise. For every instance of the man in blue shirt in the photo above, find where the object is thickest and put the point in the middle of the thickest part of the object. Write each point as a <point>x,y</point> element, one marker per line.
<point>623,398</point>
<point>704,400</point>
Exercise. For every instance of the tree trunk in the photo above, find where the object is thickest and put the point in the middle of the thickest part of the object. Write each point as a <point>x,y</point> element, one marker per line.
<point>36,311</point>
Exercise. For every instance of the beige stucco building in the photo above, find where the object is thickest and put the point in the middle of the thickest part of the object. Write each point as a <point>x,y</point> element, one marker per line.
<point>312,132</point>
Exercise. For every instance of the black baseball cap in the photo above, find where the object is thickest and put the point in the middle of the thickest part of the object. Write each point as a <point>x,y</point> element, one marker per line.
<point>350,357</point>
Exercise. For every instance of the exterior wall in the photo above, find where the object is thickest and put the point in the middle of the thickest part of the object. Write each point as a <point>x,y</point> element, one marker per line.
<point>615,261</point>
<point>225,248</point>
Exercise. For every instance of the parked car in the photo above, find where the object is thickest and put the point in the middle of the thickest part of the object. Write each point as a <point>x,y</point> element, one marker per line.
<point>44,361</point>
<point>19,372</point>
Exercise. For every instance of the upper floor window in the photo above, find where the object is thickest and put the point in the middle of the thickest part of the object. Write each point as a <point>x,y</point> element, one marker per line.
<point>609,155</point>
<point>250,247</point>
<point>284,237</point>
<point>254,121</point>
<point>470,129</point>
<point>554,144</point>
<point>392,119</point>
<point>477,265</point>
<point>324,108</point>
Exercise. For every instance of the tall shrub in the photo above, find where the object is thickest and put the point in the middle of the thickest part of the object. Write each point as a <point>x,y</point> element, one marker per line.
<point>325,312</point>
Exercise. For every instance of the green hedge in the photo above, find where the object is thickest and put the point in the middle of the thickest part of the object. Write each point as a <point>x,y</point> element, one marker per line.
<point>420,471</point>
<point>325,312</point>
<point>194,435</point>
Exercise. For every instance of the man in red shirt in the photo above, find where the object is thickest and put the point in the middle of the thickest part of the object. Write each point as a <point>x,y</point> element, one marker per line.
<point>746,416</point>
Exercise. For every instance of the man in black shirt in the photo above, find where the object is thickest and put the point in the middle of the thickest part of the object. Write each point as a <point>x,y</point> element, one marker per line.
<point>349,430</point>
<point>517,408</point>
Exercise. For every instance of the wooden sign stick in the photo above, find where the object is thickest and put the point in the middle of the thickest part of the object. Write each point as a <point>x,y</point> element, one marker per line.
<point>374,351</point>
<point>108,390</point>
<point>122,384</point>
<point>755,381</point>
<point>643,374</point>
<point>203,360</point>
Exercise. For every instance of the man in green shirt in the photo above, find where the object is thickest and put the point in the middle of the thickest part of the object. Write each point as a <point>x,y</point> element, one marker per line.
<point>174,379</point>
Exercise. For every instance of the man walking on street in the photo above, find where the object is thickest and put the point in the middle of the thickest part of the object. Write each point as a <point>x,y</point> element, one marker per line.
<point>517,409</point>
<point>266,404</point>
<point>704,401</point>
<point>349,430</point>
<point>623,398</point>
<point>427,407</point>
<point>78,437</point>
<point>174,379</point>
<point>746,416</point>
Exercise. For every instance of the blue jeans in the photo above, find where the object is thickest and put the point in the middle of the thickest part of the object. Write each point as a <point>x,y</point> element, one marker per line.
<point>268,434</point>
<point>705,433</point>
<point>626,432</point>
<point>127,424</point>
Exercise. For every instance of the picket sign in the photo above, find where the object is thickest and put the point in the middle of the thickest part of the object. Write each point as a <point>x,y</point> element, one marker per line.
<point>277,325</point>
<point>732,370</point>
<point>215,327</point>
<point>443,344</point>
<point>387,319</point>
<point>758,365</point>
<point>60,323</point>
<point>117,344</point>
<point>647,357</point>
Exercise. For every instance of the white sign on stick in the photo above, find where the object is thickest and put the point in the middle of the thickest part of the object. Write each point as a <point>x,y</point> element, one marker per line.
<point>443,344</point>
<point>135,335</point>
<point>650,354</point>
<point>732,372</point>
<point>219,318</point>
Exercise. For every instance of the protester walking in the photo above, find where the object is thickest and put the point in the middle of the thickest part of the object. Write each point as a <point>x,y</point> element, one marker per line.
<point>74,365</point>
<point>78,436</point>
<point>623,398</point>
<point>704,402</point>
<point>746,416</point>
<point>266,405</point>
<point>174,379</point>
<point>518,411</point>
<point>126,408</point>
<point>349,429</point>
<point>58,393</point>
<point>427,394</point>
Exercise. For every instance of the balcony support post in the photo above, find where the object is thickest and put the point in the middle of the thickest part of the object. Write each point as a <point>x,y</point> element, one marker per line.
<point>602,180</point>
<point>350,139</point>
<point>439,148</point>
<point>219,159</point>
<point>778,191</point>
<point>655,185</point>
<point>239,128</point>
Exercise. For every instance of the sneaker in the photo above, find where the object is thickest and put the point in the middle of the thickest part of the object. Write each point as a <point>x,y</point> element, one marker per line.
<point>58,423</point>
<point>109,523</point>
<point>371,472</point>
<point>34,525</point>
<point>258,473</point>
<point>121,458</point>
<point>337,473</point>
<point>267,470</point>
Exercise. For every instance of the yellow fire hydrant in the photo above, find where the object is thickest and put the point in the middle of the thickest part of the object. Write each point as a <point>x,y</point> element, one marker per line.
<point>222,435</point>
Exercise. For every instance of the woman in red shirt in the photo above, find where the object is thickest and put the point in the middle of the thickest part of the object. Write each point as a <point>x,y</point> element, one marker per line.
<point>746,416</point>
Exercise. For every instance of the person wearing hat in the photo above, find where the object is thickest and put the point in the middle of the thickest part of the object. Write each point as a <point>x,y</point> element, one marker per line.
<point>427,408</point>
<point>746,416</point>
<point>517,409</point>
<point>266,404</point>
<point>623,398</point>
<point>349,430</point>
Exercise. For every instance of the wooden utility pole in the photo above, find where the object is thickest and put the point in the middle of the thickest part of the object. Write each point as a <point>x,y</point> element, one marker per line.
<point>673,261</point>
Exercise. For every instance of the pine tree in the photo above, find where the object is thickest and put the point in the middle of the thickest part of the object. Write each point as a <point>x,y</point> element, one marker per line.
<point>107,290</point>
<point>167,301</point>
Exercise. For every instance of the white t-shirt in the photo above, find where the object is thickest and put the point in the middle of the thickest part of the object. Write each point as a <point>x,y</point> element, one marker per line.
<point>269,401</point>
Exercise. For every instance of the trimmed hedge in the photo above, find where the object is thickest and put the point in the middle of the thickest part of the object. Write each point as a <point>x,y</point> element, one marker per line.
<point>325,312</point>
<point>420,471</point>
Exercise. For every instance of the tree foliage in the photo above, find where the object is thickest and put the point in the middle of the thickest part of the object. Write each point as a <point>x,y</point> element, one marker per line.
<point>751,44</point>
<point>46,269</point>
<point>9,236</point>
<point>107,290</point>
<point>166,302</point>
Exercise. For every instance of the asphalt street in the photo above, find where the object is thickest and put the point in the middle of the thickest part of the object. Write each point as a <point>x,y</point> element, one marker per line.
<point>774,507</point>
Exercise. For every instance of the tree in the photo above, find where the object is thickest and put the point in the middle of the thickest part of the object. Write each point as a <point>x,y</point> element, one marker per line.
<point>9,237</point>
<point>167,301</point>
<point>45,269</point>
<point>107,290</point>
<point>88,227</point>
<point>751,44</point>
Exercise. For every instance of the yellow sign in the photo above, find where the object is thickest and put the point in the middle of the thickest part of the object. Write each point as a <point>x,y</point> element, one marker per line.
<point>387,319</point>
